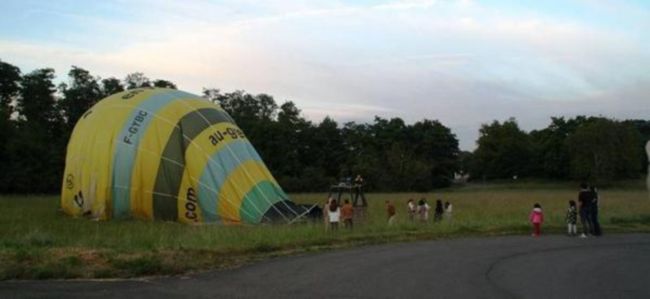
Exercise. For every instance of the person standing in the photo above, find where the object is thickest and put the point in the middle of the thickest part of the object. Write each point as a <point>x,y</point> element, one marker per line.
<point>347,213</point>
<point>448,209</point>
<point>437,216</point>
<point>536,217</point>
<point>585,199</point>
<point>326,208</point>
<point>411,208</point>
<point>334,214</point>
<point>423,210</point>
<point>390,212</point>
<point>571,218</point>
<point>594,211</point>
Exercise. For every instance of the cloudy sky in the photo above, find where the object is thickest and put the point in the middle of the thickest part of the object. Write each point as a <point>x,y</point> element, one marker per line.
<point>462,62</point>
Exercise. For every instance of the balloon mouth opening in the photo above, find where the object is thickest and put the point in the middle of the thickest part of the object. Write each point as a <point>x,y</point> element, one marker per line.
<point>286,212</point>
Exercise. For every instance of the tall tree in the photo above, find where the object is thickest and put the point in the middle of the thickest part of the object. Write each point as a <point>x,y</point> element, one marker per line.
<point>136,80</point>
<point>435,144</point>
<point>39,149</point>
<point>81,93</point>
<point>9,88</point>
<point>164,84</point>
<point>503,151</point>
<point>604,150</point>
<point>111,86</point>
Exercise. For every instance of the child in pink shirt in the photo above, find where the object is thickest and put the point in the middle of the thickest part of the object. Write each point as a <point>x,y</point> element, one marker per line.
<point>537,218</point>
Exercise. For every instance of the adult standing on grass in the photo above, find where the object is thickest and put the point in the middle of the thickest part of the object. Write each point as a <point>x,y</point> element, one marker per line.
<point>326,209</point>
<point>334,214</point>
<point>390,212</point>
<point>585,199</point>
<point>411,208</point>
<point>448,209</point>
<point>594,211</point>
<point>438,212</point>
<point>423,210</point>
<point>347,213</point>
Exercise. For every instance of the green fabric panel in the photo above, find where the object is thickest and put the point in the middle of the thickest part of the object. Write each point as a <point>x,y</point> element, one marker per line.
<point>172,162</point>
<point>262,196</point>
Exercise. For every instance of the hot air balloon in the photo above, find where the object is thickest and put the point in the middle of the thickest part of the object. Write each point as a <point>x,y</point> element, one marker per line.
<point>165,154</point>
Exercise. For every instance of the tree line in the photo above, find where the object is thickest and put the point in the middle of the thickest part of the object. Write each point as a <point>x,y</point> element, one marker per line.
<point>37,117</point>
<point>595,149</point>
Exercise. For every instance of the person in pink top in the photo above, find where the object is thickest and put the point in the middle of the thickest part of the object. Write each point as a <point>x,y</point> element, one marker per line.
<point>537,218</point>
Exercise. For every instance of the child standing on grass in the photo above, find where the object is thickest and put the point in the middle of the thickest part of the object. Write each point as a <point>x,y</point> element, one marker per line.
<point>572,218</point>
<point>536,218</point>
<point>334,214</point>
<point>347,213</point>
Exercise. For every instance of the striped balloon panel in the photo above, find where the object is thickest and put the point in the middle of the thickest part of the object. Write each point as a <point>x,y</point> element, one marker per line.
<point>165,154</point>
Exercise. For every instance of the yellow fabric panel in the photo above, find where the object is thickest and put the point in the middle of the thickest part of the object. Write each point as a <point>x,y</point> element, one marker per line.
<point>237,185</point>
<point>150,150</point>
<point>197,155</point>
<point>90,152</point>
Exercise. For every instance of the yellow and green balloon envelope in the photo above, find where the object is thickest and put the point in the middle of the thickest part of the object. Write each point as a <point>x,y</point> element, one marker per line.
<point>155,153</point>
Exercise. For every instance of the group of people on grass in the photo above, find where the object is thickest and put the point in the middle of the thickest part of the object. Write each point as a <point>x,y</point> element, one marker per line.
<point>420,211</point>
<point>333,212</point>
<point>587,209</point>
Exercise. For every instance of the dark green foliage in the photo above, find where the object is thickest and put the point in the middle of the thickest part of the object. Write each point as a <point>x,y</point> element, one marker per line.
<point>504,151</point>
<point>164,84</point>
<point>36,152</point>
<point>603,150</point>
<point>82,92</point>
<point>136,80</point>
<point>9,88</point>
<point>303,156</point>
<point>36,120</point>
<point>594,149</point>
<point>111,86</point>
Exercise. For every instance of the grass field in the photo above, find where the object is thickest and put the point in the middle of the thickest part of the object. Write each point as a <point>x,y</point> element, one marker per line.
<point>37,242</point>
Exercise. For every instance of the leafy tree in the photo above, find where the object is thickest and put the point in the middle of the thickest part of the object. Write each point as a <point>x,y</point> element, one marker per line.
<point>111,86</point>
<point>164,84</point>
<point>503,151</point>
<point>551,155</point>
<point>438,147</point>
<point>604,150</point>
<point>81,93</point>
<point>38,151</point>
<point>136,80</point>
<point>643,127</point>
<point>9,89</point>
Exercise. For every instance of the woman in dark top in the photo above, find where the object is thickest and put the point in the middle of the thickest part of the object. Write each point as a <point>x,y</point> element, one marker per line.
<point>439,211</point>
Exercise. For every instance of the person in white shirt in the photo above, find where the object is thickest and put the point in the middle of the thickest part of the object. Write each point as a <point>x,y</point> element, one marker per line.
<point>412,209</point>
<point>423,210</point>
<point>448,209</point>
<point>334,215</point>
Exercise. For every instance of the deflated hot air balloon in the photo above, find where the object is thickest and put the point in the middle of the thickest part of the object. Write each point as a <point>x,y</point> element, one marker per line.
<point>155,153</point>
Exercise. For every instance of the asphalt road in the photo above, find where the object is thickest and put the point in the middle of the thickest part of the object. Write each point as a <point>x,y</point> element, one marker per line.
<point>613,266</point>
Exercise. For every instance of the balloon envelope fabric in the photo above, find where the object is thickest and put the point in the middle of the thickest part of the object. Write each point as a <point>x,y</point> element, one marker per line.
<point>155,153</point>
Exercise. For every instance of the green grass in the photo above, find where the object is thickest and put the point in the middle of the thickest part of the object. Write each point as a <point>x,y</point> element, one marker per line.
<point>38,242</point>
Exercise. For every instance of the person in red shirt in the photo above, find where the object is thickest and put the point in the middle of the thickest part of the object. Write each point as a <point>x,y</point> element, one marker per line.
<point>347,213</point>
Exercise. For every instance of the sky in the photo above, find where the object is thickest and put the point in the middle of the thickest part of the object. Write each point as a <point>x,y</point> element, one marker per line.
<point>464,63</point>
